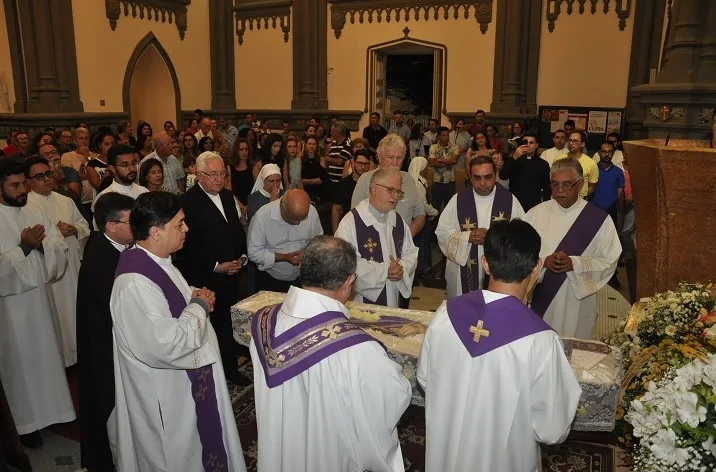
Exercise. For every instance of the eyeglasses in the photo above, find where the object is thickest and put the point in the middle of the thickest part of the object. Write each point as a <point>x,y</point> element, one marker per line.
<point>120,222</point>
<point>393,191</point>
<point>575,141</point>
<point>49,154</point>
<point>126,165</point>
<point>214,175</point>
<point>43,175</point>
<point>563,186</point>
<point>363,164</point>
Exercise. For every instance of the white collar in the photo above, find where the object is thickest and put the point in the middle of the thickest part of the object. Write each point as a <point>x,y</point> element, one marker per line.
<point>363,208</point>
<point>155,258</point>
<point>117,246</point>
<point>301,303</point>
<point>486,197</point>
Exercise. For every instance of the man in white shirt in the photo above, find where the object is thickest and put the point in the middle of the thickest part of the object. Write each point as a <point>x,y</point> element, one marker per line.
<point>204,129</point>
<point>63,212</point>
<point>464,222</point>
<point>278,233</point>
<point>560,142</point>
<point>172,170</point>
<point>173,410</point>
<point>330,406</point>
<point>580,250</point>
<point>618,156</point>
<point>387,257</point>
<point>431,136</point>
<point>123,165</point>
<point>497,382</point>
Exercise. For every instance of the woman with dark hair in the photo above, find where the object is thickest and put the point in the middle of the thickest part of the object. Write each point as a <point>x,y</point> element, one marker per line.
<point>151,175</point>
<point>144,129</point>
<point>313,173</point>
<point>125,134</point>
<point>261,142</point>
<point>517,129</point>
<point>193,126</point>
<point>144,145</point>
<point>45,137</point>
<point>167,125</point>
<point>97,166</point>
<point>250,136</point>
<point>274,151</point>
<point>415,147</point>
<point>493,135</point>
<point>206,144</point>
<point>190,147</point>
<point>243,172</point>
<point>480,146</point>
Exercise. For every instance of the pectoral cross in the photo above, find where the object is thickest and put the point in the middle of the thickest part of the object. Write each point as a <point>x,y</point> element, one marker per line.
<point>468,226</point>
<point>370,245</point>
<point>499,217</point>
<point>331,331</point>
<point>478,332</point>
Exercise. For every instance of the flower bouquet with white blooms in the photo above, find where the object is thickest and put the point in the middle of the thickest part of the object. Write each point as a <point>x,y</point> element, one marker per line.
<point>675,420</point>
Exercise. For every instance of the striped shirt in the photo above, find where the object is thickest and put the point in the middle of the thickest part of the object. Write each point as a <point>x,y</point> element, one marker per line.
<point>343,150</point>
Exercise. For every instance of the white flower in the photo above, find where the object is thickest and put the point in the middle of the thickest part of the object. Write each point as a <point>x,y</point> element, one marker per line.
<point>670,330</point>
<point>689,375</point>
<point>709,375</point>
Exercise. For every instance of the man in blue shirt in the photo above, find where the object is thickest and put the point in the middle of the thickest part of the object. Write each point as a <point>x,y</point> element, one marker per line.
<point>609,194</point>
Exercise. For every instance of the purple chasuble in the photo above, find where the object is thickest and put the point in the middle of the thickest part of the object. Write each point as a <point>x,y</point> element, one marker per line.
<point>483,327</point>
<point>304,345</point>
<point>369,247</point>
<point>574,243</point>
<point>203,390</point>
<point>467,213</point>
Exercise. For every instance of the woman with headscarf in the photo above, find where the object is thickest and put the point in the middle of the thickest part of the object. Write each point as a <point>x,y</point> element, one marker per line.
<point>267,188</point>
<point>418,167</point>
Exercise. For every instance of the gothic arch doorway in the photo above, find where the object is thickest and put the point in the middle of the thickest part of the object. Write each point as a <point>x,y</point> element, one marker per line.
<point>151,88</point>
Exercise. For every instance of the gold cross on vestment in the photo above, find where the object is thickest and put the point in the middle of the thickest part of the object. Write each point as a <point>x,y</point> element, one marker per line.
<point>370,245</point>
<point>331,331</point>
<point>499,217</point>
<point>468,226</point>
<point>478,332</point>
<point>470,263</point>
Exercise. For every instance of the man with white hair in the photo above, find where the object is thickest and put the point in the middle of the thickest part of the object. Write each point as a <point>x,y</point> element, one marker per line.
<point>172,170</point>
<point>387,257</point>
<point>580,250</point>
<point>214,251</point>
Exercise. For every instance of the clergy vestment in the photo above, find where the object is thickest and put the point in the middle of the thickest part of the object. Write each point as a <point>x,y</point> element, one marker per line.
<point>332,409</point>
<point>30,358</point>
<point>173,411</point>
<point>464,212</point>
<point>376,238</point>
<point>584,232</point>
<point>496,384</point>
<point>94,349</point>
<point>60,208</point>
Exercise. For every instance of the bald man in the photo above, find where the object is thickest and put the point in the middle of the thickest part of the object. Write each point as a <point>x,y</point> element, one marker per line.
<point>172,170</point>
<point>278,233</point>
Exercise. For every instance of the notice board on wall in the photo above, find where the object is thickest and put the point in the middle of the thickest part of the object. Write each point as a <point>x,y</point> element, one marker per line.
<point>597,122</point>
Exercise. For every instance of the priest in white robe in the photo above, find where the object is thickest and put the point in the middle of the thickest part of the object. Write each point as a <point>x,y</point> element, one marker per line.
<point>332,405</point>
<point>32,255</point>
<point>387,257</point>
<point>73,227</point>
<point>464,222</point>
<point>497,382</point>
<point>172,407</point>
<point>580,249</point>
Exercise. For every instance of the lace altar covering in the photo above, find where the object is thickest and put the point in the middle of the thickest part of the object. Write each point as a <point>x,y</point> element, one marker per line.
<point>597,366</point>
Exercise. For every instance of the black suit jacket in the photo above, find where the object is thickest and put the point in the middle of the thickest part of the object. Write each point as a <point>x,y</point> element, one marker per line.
<point>210,239</point>
<point>94,350</point>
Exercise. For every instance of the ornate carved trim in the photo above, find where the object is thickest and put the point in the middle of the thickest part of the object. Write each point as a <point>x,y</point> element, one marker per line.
<point>263,13</point>
<point>395,9</point>
<point>173,11</point>
<point>623,9</point>
<point>36,122</point>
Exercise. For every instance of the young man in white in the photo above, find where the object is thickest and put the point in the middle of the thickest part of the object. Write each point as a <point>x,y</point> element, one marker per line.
<point>497,382</point>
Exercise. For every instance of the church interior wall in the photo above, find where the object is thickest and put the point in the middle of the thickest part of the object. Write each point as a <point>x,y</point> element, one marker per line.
<point>7,87</point>
<point>103,54</point>
<point>584,62</point>
<point>151,90</point>
<point>470,60</point>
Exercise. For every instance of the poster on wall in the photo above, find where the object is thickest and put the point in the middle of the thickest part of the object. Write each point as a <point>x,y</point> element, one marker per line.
<point>556,118</point>
<point>614,121</point>
<point>597,122</point>
<point>580,120</point>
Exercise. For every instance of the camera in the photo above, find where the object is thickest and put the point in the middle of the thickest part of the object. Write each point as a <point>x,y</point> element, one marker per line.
<point>514,143</point>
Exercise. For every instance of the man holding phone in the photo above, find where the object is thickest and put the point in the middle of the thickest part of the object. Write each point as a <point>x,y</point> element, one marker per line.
<point>528,173</point>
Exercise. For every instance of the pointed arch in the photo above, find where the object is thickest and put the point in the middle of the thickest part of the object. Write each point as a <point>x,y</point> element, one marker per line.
<point>150,40</point>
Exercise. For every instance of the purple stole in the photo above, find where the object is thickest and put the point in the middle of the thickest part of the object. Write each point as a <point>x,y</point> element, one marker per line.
<point>369,246</point>
<point>294,351</point>
<point>467,213</point>
<point>580,234</point>
<point>484,327</point>
<point>203,390</point>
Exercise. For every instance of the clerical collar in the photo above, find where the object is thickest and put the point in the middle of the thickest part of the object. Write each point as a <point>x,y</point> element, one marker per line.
<point>380,217</point>
<point>486,197</point>
<point>117,246</point>
<point>157,259</point>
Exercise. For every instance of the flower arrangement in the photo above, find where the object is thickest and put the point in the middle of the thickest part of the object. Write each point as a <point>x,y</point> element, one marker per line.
<point>675,420</point>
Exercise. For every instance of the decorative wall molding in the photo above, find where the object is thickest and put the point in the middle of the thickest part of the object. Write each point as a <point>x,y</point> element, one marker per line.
<point>173,11</point>
<point>397,9</point>
<point>36,122</point>
<point>262,13</point>
<point>298,118</point>
<point>623,9</point>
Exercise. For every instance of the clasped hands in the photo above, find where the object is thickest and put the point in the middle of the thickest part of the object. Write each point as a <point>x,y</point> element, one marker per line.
<point>395,270</point>
<point>229,267</point>
<point>294,257</point>
<point>33,237</point>
<point>558,263</point>
<point>66,229</point>
<point>477,236</point>
<point>206,295</point>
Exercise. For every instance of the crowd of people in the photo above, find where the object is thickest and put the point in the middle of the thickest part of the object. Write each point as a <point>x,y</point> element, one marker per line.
<point>124,254</point>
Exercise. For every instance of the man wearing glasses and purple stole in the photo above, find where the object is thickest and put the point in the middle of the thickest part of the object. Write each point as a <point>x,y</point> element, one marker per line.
<point>497,382</point>
<point>328,398</point>
<point>172,411</point>
<point>387,257</point>
<point>580,249</point>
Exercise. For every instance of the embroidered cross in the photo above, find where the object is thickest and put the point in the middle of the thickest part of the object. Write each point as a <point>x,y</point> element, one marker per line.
<point>370,245</point>
<point>478,332</point>
<point>470,263</point>
<point>499,217</point>
<point>468,226</point>
<point>203,373</point>
<point>201,392</point>
<point>331,331</point>
<point>273,359</point>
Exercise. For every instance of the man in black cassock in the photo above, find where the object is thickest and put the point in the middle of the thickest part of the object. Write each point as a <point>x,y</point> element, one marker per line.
<point>94,327</point>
